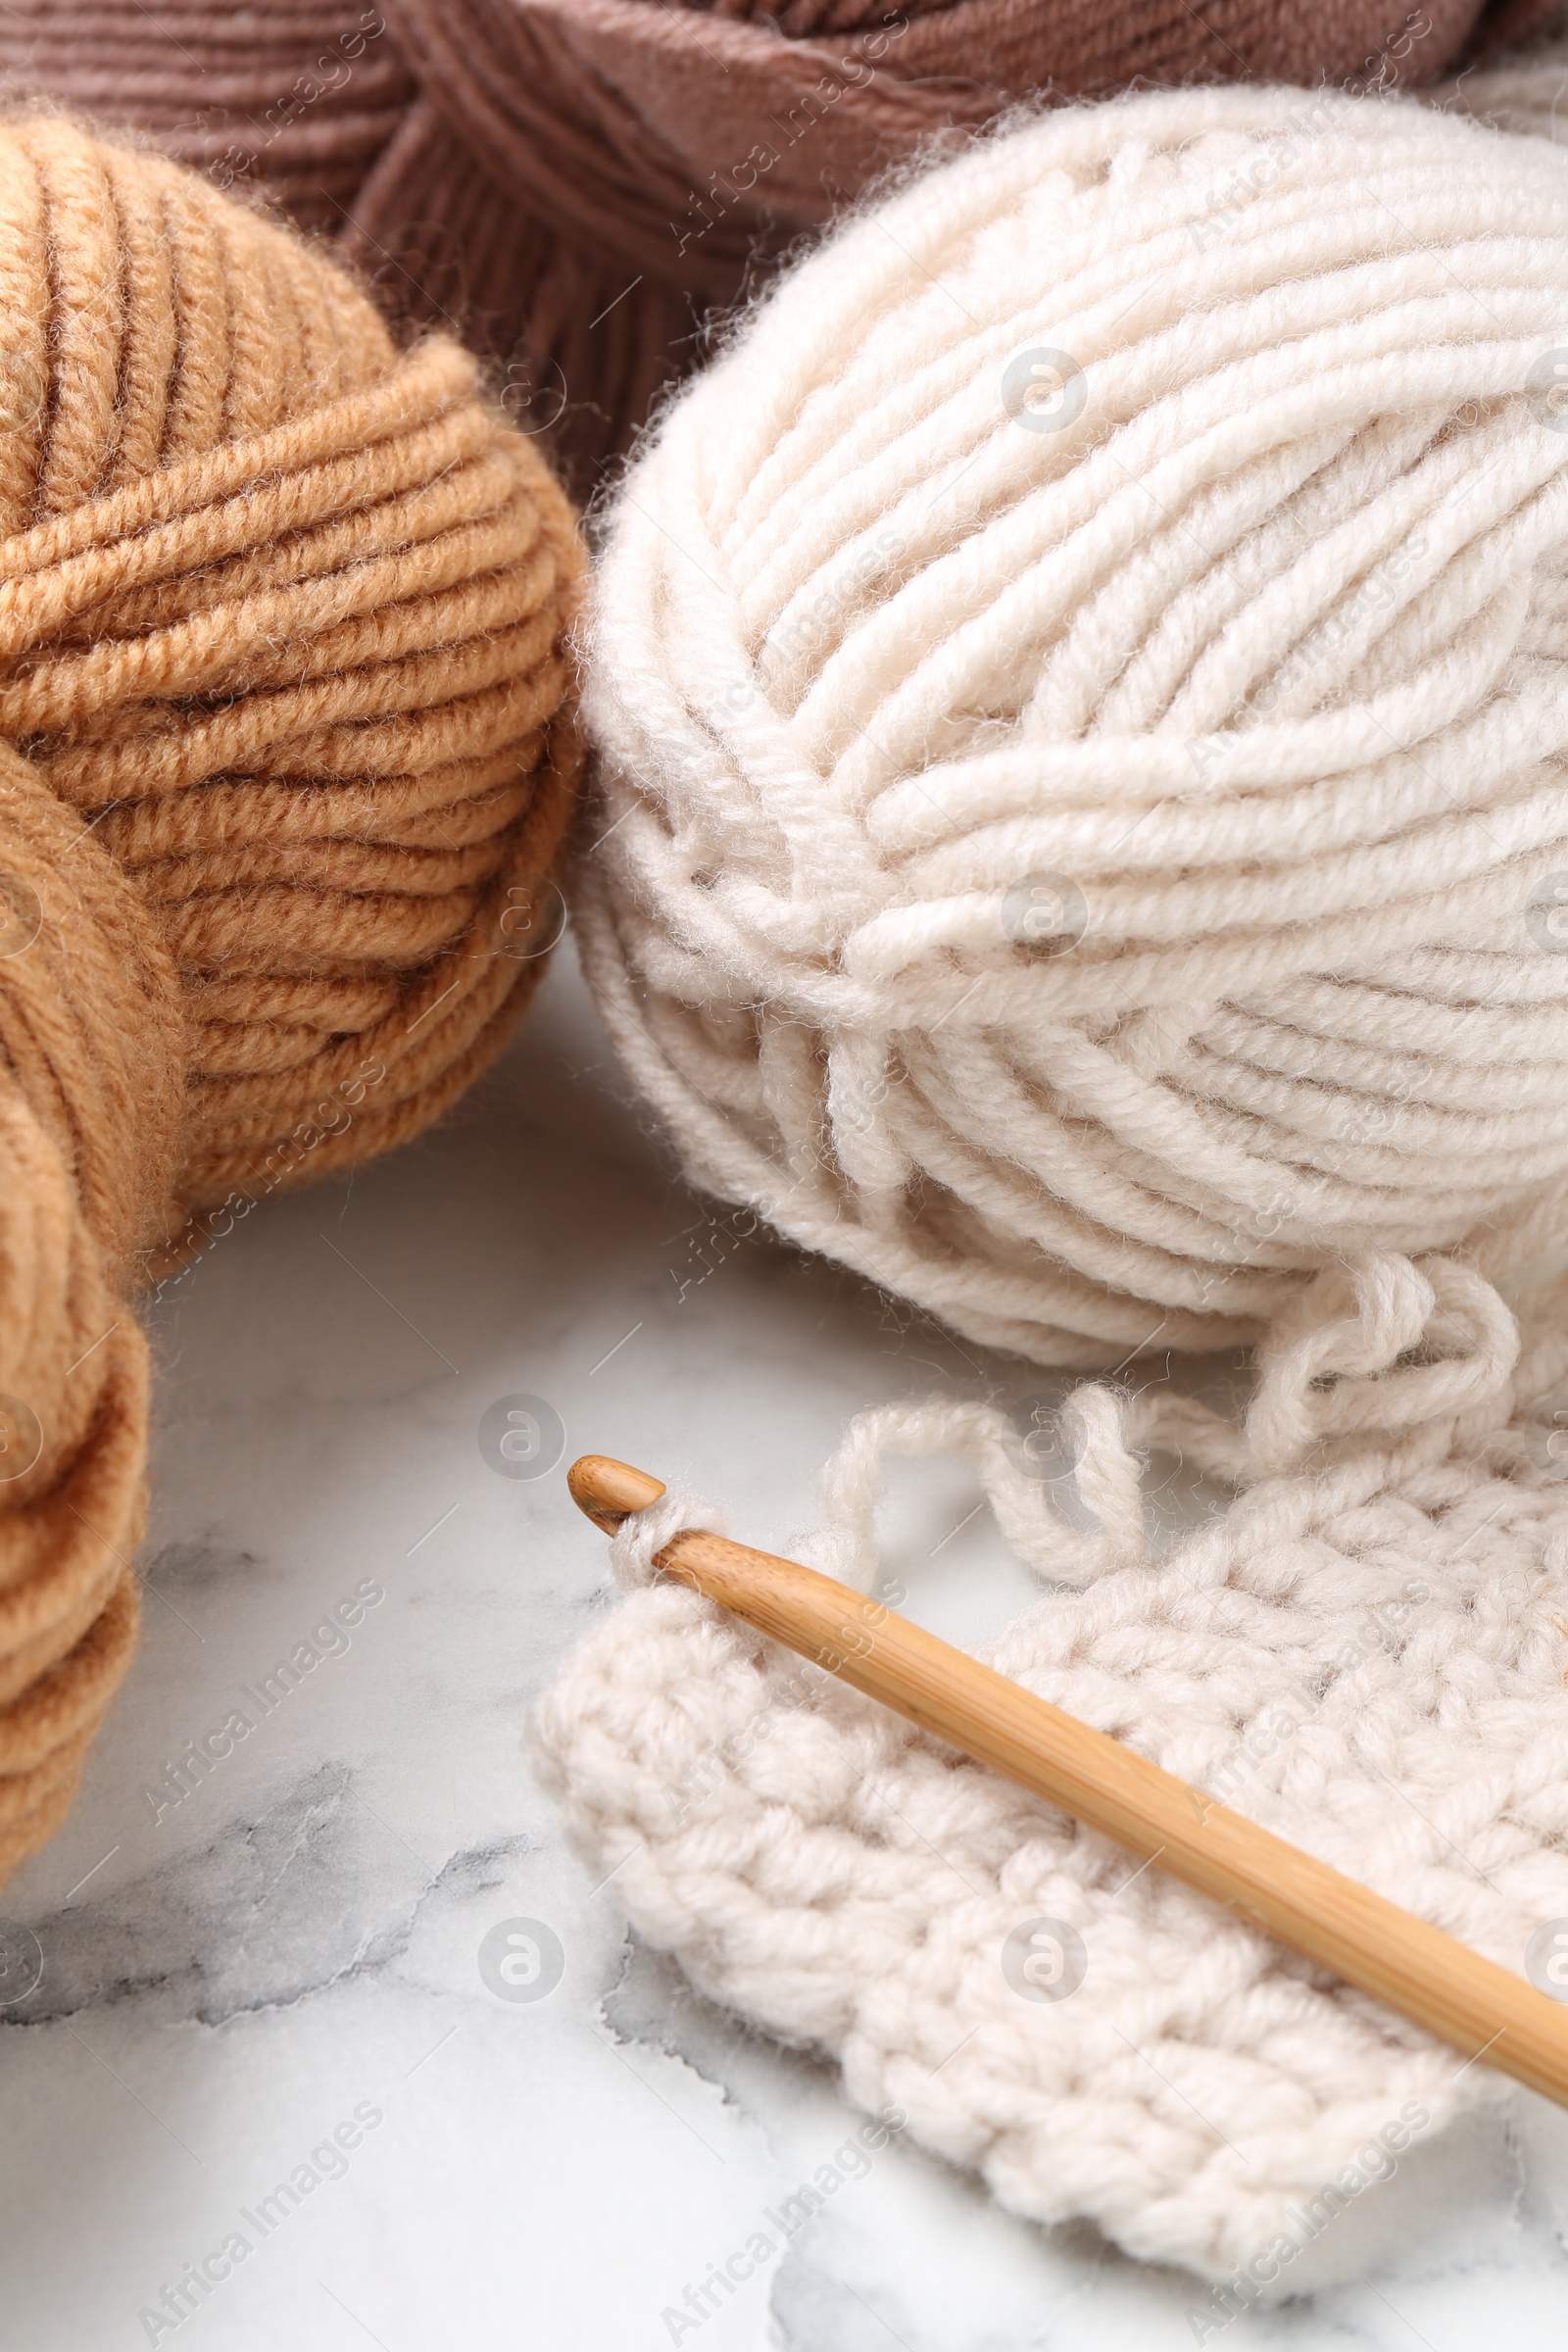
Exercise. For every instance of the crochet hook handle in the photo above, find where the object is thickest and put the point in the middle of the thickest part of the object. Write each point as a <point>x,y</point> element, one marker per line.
<point>1479,2008</point>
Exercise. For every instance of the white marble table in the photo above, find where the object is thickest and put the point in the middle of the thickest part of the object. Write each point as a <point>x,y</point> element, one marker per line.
<point>295,1943</point>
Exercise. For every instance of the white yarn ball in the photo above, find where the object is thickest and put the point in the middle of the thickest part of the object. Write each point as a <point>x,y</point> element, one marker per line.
<point>1082,688</point>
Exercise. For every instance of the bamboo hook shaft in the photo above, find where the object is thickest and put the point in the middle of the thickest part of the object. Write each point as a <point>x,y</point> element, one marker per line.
<point>1481,2009</point>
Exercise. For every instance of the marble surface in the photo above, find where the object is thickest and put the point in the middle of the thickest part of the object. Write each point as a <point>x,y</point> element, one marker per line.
<point>230,1980</point>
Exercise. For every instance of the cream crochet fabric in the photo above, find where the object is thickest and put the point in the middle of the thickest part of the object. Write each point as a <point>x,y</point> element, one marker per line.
<point>1082,688</point>
<point>1370,1659</point>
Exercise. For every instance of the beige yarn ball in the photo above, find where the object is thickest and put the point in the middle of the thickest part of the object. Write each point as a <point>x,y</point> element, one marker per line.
<point>1082,693</point>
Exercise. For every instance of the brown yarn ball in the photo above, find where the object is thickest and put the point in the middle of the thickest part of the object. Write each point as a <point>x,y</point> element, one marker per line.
<point>575,184</point>
<point>285,772</point>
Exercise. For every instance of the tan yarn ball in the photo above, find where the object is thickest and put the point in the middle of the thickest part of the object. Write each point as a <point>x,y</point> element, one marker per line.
<point>285,775</point>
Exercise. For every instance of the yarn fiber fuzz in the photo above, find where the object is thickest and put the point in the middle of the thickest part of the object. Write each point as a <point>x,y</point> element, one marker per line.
<point>578,181</point>
<point>1087,865</point>
<point>285,778</point>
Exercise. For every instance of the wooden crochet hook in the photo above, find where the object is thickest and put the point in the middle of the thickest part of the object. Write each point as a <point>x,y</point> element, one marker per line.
<point>1481,2009</point>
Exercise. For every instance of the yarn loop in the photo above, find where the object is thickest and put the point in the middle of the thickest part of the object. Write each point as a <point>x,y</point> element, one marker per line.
<point>643,1535</point>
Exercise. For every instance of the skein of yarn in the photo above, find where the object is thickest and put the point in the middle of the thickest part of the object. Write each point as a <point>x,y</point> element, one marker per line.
<point>286,778</point>
<point>574,183</point>
<point>1083,718</point>
<point>1083,704</point>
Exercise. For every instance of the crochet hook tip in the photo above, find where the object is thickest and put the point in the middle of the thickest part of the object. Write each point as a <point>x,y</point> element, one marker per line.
<point>608,1491</point>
